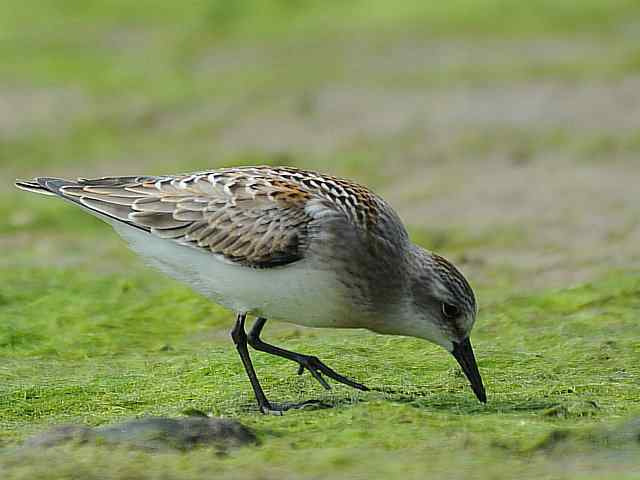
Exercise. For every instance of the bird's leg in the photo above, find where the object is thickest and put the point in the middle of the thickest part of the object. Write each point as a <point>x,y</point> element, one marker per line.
<point>239,337</point>
<point>308,362</point>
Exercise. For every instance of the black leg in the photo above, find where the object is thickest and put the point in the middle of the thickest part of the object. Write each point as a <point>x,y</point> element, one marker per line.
<point>240,339</point>
<point>308,362</point>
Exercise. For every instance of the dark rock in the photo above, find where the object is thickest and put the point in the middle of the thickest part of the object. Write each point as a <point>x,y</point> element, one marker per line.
<point>60,435</point>
<point>181,434</point>
<point>153,433</point>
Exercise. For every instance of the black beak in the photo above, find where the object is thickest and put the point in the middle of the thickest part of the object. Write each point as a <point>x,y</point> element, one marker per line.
<point>463,352</point>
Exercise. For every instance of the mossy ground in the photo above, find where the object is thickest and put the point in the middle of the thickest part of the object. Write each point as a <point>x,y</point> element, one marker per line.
<point>506,136</point>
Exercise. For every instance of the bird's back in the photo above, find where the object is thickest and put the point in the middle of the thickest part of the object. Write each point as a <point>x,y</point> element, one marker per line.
<point>242,220</point>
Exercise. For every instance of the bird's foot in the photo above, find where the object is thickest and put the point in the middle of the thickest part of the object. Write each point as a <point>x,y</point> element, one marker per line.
<point>317,369</point>
<point>279,408</point>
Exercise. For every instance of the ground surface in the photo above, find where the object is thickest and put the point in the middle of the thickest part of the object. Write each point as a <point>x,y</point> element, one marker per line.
<point>506,136</point>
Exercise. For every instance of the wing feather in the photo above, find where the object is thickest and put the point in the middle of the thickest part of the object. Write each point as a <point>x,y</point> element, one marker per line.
<point>232,214</point>
<point>256,216</point>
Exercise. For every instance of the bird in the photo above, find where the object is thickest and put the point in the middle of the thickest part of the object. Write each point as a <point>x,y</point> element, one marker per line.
<point>286,244</point>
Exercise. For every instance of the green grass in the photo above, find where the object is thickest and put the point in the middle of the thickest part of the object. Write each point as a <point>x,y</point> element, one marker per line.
<point>89,335</point>
<point>80,347</point>
<point>277,16</point>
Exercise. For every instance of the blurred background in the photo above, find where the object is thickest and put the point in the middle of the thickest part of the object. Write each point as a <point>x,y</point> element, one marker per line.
<point>506,133</point>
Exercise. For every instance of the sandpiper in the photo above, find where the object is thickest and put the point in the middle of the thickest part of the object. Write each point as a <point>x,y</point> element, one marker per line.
<point>291,245</point>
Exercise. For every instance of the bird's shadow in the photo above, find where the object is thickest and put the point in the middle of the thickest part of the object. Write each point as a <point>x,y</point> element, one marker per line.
<point>422,398</point>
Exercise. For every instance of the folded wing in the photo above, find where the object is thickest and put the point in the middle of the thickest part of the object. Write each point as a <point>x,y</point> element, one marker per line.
<point>243,218</point>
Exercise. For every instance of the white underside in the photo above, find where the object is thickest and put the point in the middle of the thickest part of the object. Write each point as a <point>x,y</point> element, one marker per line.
<point>296,293</point>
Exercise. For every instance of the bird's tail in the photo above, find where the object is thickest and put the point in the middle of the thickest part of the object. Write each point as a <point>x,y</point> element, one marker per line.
<point>79,192</point>
<point>43,185</point>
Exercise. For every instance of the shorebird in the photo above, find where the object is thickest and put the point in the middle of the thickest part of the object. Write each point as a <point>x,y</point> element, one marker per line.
<point>290,245</point>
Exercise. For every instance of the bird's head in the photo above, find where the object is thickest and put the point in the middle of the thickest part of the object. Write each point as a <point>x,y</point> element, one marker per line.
<point>442,309</point>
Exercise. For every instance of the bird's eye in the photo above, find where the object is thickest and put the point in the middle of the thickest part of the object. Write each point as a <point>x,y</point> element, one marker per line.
<point>450,311</point>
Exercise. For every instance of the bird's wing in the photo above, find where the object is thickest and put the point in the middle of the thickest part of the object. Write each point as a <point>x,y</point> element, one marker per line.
<point>244,218</point>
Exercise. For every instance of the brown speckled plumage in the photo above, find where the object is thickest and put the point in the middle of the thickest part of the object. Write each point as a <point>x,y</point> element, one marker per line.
<point>256,216</point>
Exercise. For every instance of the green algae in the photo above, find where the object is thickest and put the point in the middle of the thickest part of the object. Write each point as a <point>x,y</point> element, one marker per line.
<point>89,336</point>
